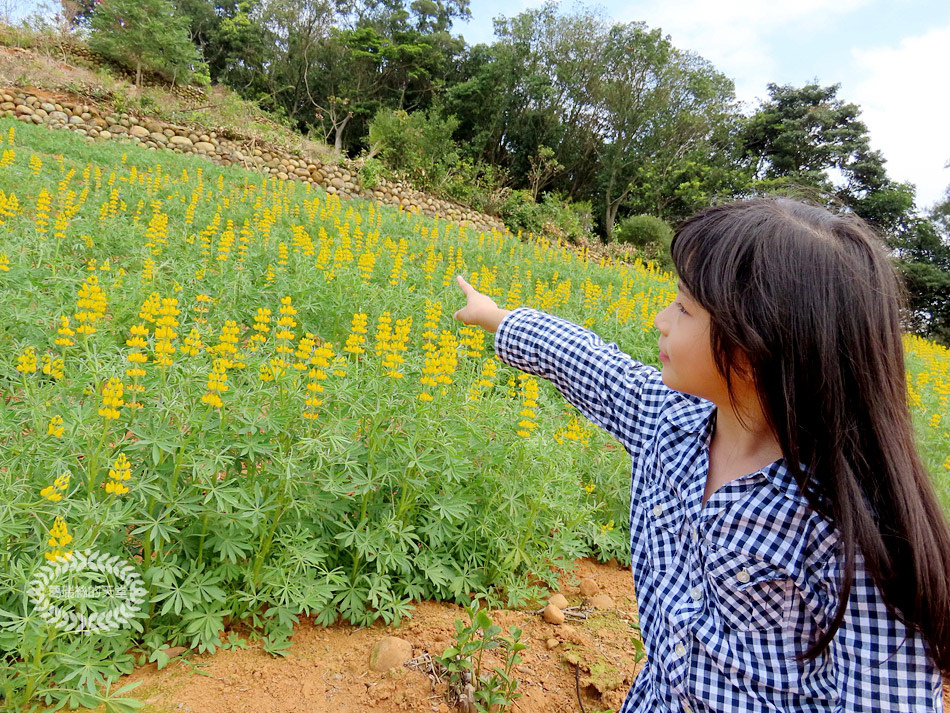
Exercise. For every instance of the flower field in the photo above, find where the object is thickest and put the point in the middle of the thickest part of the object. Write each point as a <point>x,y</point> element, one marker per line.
<point>255,393</point>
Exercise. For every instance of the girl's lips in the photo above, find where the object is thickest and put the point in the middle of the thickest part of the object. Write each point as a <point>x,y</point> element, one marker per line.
<point>664,358</point>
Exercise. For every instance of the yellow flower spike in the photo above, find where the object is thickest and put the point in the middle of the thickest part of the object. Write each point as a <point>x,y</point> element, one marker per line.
<point>53,366</point>
<point>59,538</point>
<point>26,362</point>
<point>111,399</point>
<point>91,305</point>
<point>55,427</point>
<point>53,492</point>
<point>120,471</point>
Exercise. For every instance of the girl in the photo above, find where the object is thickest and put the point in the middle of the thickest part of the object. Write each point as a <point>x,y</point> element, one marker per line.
<point>789,553</point>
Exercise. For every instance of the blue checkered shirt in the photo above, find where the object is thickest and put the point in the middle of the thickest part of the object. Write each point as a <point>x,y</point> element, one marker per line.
<point>730,592</point>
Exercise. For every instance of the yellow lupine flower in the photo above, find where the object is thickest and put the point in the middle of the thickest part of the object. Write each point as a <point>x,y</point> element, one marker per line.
<point>120,471</point>
<point>64,333</point>
<point>59,538</point>
<point>91,305</point>
<point>111,399</point>
<point>54,492</point>
<point>357,338</point>
<point>55,427</point>
<point>530,393</point>
<point>53,367</point>
<point>26,362</point>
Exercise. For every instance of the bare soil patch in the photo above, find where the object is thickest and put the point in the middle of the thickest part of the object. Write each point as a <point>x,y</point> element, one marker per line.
<point>327,669</point>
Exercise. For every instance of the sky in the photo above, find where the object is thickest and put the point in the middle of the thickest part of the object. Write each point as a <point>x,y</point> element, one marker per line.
<point>891,58</point>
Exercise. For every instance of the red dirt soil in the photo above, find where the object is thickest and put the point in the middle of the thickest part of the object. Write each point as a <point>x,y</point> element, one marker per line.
<point>327,669</point>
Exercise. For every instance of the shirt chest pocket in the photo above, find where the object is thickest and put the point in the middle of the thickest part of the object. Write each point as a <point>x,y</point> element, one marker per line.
<point>664,513</point>
<point>750,594</point>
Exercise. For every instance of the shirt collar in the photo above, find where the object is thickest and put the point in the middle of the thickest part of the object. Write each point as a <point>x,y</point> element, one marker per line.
<point>694,415</point>
<point>690,413</point>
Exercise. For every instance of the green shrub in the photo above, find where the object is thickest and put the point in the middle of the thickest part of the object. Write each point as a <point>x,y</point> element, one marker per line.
<point>476,184</point>
<point>417,147</point>
<point>554,217</point>
<point>650,235</point>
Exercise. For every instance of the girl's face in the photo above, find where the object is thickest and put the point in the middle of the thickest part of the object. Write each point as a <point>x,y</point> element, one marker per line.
<point>686,351</point>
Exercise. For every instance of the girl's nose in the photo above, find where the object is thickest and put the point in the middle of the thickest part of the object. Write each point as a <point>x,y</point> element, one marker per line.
<point>660,321</point>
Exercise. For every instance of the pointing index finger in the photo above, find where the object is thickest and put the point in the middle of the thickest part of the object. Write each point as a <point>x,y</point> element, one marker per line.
<point>464,286</point>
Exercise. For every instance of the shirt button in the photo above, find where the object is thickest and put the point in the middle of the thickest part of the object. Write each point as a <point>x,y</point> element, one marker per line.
<point>680,650</point>
<point>657,510</point>
<point>696,593</point>
<point>695,535</point>
<point>743,576</point>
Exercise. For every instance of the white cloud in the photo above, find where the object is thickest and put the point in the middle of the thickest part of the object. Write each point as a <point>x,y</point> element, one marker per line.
<point>906,107</point>
<point>737,36</point>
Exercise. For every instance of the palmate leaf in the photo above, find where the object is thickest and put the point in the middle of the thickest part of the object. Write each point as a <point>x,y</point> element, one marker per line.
<point>204,584</point>
<point>230,547</point>
<point>351,600</point>
<point>204,627</point>
<point>158,528</point>
<point>115,703</point>
<point>453,506</point>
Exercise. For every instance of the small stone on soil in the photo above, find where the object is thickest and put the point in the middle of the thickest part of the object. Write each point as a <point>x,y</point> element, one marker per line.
<point>558,600</point>
<point>389,652</point>
<point>589,587</point>
<point>553,615</point>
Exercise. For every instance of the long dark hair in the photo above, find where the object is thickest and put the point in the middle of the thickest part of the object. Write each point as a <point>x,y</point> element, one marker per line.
<point>813,303</point>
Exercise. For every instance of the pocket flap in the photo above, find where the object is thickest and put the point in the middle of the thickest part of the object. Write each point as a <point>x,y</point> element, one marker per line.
<point>741,571</point>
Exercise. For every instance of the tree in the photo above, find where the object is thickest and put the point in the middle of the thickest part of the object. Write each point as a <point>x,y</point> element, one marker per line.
<point>144,35</point>
<point>622,109</point>
<point>808,136</point>
<point>659,106</point>
<point>923,256</point>
<point>232,40</point>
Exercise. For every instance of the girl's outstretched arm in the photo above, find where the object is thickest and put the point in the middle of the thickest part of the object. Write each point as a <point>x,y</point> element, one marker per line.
<point>608,386</point>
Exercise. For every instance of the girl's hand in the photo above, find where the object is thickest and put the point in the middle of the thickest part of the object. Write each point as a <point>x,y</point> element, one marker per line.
<point>479,310</point>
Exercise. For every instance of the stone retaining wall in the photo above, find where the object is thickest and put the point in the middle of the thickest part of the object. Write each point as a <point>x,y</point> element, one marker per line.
<point>63,112</point>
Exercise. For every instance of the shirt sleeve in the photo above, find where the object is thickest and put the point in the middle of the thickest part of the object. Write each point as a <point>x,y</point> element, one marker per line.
<point>602,382</point>
<point>881,666</point>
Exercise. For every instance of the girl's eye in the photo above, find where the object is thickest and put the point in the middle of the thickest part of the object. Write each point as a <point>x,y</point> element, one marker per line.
<point>680,307</point>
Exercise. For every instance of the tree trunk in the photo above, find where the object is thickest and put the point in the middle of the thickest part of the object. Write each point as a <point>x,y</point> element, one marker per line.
<point>338,129</point>
<point>610,208</point>
<point>138,74</point>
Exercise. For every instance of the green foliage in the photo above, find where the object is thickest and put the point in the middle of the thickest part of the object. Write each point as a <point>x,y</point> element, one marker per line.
<point>476,184</point>
<point>923,257</point>
<point>145,35</point>
<point>554,217</point>
<point>801,134</point>
<point>650,235</point>
<point>251,514</point>
<point>492,690</point>
<point>418,146</point>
